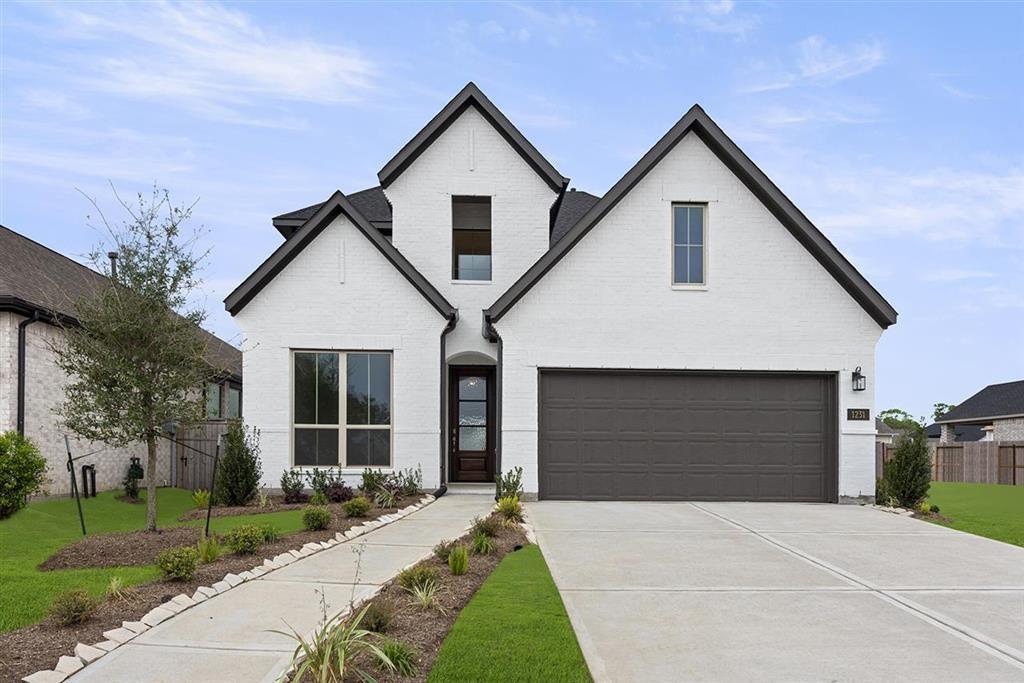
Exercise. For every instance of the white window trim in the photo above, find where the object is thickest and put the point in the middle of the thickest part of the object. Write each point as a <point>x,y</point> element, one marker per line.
<point>342,426</point>
<point>686,286</point>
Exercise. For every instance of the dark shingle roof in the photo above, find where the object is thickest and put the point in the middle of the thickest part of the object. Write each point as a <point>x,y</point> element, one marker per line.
<point>995,400</point>
<point>371,202</point>
<point>575,203</point>
<point>884,429</point>
<point>961,432</point>
<point>36,277</point>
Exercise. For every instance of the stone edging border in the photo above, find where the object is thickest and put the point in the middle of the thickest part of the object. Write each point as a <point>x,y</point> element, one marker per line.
<point>893,511</point>
<point>87,654</point>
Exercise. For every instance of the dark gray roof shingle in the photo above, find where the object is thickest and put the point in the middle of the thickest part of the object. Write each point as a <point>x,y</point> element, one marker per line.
<point>575,203</point>
<point>961,432</point>
<point>995,400</point>
<point>371,202</point>
<point>49,281</point>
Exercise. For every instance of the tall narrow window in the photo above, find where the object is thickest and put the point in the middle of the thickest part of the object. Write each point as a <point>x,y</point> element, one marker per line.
<point>234,401</point>
<point>471,238</point>
<point>213,401</point>
<point>688,245</point>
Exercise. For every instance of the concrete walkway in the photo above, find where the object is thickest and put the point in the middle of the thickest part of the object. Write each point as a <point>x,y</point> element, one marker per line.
<point>745,591</point>
<point>227,638</point>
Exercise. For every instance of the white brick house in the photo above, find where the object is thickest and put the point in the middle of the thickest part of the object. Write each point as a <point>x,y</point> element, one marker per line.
<point>690,335</point>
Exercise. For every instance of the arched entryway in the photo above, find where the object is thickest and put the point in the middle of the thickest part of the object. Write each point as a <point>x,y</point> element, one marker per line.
<point>472,423</point>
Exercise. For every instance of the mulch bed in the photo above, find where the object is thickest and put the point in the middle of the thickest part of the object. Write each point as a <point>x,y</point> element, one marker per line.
<point>140,548</point>
<point>37,647</point>
<point>425,630</point>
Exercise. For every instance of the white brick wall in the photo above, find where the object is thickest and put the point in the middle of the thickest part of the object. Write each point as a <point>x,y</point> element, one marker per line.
<point>307,306</point>
<point>769,305</point>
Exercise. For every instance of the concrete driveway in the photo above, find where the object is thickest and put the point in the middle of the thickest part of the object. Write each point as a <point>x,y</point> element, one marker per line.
<point>776,591</point>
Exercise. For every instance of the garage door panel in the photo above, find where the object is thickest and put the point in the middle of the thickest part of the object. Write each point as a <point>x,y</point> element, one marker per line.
<point>735,436</point>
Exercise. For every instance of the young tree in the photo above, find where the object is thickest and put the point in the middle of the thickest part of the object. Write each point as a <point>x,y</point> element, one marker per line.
<point>240,471</point>
<point>898,419</point>
<point>908,475</point>
<point>136,357</point>
<point>941,409</point>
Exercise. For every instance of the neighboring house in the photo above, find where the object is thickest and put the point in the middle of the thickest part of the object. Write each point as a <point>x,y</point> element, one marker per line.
<point>38,288</point>
<point>689,335</point>
<point>884,433</point>
<point>962,433</point>
<point>998,409</point>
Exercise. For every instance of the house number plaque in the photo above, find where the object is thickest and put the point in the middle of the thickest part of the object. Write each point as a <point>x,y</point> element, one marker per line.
<point>858,414</point>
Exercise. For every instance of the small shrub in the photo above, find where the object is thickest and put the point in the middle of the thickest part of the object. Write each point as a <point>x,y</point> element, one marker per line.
<point>245,539</point>
<point>22,472</point>
<point>270,532</point>
<point>209,549</point>
<point>425,594</point>
<point>386,498</point>
<point>511,484</point>
<point>378,617</point>
<point>908,475</point>
<point>410,481</point>
<point>263,498</point>
<point>316,517</point>
<point>482,544</point>
<point>443,549</point>
<point>118,590</point>
<point>240,469</point>
<point>73,607</point>
<point>318,498</point>
<point>338,492</point>
<point>372,480</point>
<point>357,507</point>
<point>510,509</point>
<point>401,656</point>
<point>318,479</point>
<point>934,509</point>
<point>458,560</point>
<point>419,575</point>
<point>200,499</point>
<point>178,564</point>
<point>291,486</point>
<point>488,526</point>
<point>131,487</point>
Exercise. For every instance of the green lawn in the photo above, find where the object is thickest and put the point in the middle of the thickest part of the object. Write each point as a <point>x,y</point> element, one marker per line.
<point>514,629</point>
<point>36,532</point>
<point>992,510</point>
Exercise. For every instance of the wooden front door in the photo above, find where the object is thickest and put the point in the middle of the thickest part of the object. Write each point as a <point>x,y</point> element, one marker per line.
<point>471,423</point>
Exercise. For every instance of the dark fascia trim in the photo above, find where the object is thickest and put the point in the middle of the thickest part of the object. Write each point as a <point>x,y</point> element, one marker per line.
<point>20,306</point>
<point>471,96</point>
<point>337,205</point>
<point>757,182</point>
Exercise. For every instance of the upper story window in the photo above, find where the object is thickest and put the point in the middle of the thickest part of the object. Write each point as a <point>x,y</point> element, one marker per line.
<point>213,411</point>
<point>234,401</point>
<point>471,238</point>
<point>689,259</point>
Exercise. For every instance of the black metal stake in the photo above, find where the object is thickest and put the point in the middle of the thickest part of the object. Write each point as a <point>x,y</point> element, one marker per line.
<point>213,484</point>
<point>74,483</point>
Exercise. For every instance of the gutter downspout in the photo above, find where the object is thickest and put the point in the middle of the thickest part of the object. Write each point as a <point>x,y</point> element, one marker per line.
<point>443,405</point>
<point>491,335</point>
<point>22,335</point>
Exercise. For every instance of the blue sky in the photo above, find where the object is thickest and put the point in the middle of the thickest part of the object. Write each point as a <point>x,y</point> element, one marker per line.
<point>895,127</point>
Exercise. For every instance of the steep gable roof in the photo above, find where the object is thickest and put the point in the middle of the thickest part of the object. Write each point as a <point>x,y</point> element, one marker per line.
<point>471,96</point>
<point>698,122</point>
<point>371,202</point>
<point>337,205</point>
<point>995,400</point>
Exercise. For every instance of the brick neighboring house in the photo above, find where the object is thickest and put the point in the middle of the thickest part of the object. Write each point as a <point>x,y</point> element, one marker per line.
<point>998,409</point>
<point>38,287</point>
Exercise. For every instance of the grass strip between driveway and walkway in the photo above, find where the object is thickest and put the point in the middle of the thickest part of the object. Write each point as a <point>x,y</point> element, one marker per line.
<point>40,529</point>
<point>992,510</point>
<point>514,629</point>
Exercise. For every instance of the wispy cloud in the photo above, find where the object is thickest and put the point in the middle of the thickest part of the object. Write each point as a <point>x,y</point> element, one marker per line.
<point>817,62</point>
<point>955,275</point>
<point>212,60</point>
<point>958,92</point>
<point>715,16</point>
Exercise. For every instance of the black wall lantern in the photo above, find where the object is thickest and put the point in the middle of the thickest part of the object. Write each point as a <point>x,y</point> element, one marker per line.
<point>860,382</point>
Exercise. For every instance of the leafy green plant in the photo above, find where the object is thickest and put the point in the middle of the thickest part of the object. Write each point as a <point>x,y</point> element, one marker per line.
<point>934,509</point>
<point>118,590</point>
<point>318,498</point>
<point>22,472</point>
<point>73,607</point>
<point>386,498</point>
<point>509,484</point>
<point>372,480</point>
<point>316,517</point>
<point>201,499</point>
<point>209,549</point>
<point>458,560</point>
<point>291,486</point>
<point>240,469</point>
<point>443,549</point>
<point>418,575</point>
<point>263,498</point>
<point>331,654</point>
<point>318,479</point>
<point>482,544</point>
<point>410,481</point>
<point>510,509</point>
<point>377,616</point>
<point>178,564</point>
<point>425,595</point>
<point>246,539</point>
<point>401,656</point>
<point>488,526</point>
<point>270,532</point>
<point>130,485</point>
<point>357,507</point>
<point>907,476</point>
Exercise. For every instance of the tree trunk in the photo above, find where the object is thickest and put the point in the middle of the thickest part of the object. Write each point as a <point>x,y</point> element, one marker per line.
<point>151,483</point>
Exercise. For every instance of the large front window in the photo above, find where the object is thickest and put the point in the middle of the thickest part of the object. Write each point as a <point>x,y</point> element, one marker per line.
<point>353,430</point>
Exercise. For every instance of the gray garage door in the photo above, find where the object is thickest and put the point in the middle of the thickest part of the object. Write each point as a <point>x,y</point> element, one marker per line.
<point>687,436</point>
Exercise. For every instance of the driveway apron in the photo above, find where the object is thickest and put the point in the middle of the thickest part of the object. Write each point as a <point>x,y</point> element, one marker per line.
<point>782,591</point>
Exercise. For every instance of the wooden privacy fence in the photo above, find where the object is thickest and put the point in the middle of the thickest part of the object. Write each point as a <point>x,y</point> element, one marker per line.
<point>977,462</point>
<point>193,470</point>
